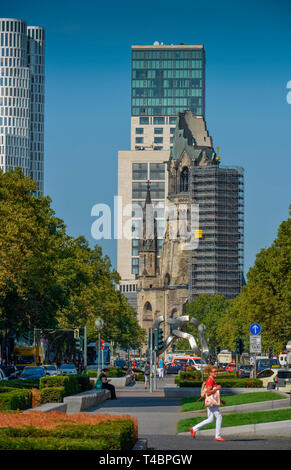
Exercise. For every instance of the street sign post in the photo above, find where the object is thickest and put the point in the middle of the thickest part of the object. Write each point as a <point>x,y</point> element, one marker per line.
<point>255,329</point>
<point>255,344</point>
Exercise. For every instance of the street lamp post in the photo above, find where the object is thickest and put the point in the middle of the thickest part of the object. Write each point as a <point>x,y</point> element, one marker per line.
<point>99,325</point>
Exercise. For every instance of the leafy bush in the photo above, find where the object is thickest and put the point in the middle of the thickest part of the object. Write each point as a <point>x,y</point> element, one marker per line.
<point>113,372</point>
<point>224,382</point>
<point>69,382</point>
<point>84,383</point>
<point>52,395</point>
<point>17,383</point>
<point>15,399</point>
<point>117,434</point>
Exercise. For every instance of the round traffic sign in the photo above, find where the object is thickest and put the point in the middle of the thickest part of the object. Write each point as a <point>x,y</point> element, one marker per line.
<point>255,329</point>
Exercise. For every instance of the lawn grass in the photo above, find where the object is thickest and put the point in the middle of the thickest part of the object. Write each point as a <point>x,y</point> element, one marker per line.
<point>191,404</point>
<point>238,419</point>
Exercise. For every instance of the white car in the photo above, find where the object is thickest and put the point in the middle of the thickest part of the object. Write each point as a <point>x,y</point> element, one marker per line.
<point>51,369</point>
<point>68,369</point>
<point>267,375</point>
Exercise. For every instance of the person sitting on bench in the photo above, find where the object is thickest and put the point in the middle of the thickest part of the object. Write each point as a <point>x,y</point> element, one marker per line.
<point>106,384</point>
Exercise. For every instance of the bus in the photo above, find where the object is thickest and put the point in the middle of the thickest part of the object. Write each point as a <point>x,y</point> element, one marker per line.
<point>27,356</point>
<point>92,356</point>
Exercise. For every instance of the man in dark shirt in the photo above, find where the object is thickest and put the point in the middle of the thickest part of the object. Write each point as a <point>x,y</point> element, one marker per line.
<point>106,384</point>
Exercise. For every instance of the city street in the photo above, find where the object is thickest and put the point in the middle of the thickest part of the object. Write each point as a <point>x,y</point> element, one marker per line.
<point>158,417</point>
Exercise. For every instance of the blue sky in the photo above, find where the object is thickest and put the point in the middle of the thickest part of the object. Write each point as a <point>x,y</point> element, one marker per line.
<point>87,117</point>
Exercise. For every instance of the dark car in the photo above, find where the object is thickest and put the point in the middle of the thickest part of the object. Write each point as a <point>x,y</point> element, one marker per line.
<point>263,364</point>
<point>32,373</point>
<point>173,368</point>
<point>245,370</point>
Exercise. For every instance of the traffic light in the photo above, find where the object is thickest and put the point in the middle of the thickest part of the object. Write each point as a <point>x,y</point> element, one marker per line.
<point>76,333</point>
<point>158,339</point>
<point>241,345</point>
<point>78,344</point>
<point>282,331</point>
<point>271,353</point>
<point>237,345</point>
<point>102,343</point>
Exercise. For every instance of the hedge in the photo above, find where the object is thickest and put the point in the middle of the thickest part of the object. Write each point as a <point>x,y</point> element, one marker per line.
<point>113,372</point>
<point>17,383</point>
<point>52,395</point>
<point>224,382</point>
<point>70,383</point>
<point>109,435</point>
<point>15,399</point>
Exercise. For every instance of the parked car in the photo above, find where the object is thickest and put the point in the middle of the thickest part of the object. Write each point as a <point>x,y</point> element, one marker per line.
<point>32,372</point>
<point>51,369</point>
<point>267,364</point>
<point>68,369</point>
<point>245,370</point>
<point>173,368</point>
<point>283,380</point>
<point>267,376</point>
<point>195,362</point>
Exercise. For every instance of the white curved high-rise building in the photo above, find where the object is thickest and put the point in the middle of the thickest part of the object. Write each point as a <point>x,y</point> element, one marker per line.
<point>22,98</point>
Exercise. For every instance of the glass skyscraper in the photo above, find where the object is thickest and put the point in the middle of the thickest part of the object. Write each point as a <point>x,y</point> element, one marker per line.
<point>22,98</point>
<point>165,80</point>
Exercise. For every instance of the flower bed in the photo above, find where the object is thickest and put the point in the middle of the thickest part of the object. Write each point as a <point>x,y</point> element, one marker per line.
<point>58,431</point>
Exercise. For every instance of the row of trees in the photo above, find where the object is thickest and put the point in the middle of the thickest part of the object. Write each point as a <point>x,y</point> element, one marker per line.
<point>265,299</point>
<point>49,279</point>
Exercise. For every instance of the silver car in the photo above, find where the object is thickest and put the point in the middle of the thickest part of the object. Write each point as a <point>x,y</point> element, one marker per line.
<point>68,369</point>
<point>51,369</point>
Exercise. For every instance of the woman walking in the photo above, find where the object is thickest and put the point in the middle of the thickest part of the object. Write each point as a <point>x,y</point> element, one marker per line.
<point>212,402</point>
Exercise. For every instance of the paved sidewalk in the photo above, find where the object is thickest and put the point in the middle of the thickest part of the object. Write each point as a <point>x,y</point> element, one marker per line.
<point>158,416</point>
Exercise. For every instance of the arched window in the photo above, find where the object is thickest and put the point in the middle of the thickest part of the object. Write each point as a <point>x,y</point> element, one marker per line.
<point>184,180</point>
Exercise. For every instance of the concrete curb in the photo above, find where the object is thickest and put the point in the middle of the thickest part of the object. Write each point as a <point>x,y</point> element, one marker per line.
<point>277,429</point>
<point>248,407</point>
<point>141,444</point>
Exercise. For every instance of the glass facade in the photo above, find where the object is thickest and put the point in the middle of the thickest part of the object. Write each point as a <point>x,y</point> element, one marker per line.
<point>167,80</point>
<point>156,174</point>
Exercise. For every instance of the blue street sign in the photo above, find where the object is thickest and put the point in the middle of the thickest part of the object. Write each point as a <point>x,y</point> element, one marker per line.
<point>255,329</point>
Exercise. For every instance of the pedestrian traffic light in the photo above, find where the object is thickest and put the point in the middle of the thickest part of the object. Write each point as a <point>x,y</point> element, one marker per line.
<point>102,343</point>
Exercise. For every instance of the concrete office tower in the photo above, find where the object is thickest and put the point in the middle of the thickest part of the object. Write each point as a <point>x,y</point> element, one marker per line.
<point>166,80</point>
<point>22,98</point>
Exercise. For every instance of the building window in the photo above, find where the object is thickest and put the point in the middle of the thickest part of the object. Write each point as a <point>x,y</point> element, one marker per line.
<point>158,140</point>
<point>139,140</point>
<point>158,148</point>
<point>144,120</point>
<point>159,120</point>
<point>157,171</point>
<point>139,130</point>
<point>172,120</point>
<point>184,180</point>
<point>139,171</point>
<point>134,265</point>
<point>158,130</point>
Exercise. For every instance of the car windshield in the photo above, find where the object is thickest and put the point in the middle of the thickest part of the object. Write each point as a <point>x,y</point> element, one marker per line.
<point>68,366</point>
<point>197,361</point>
<point>265,362</point>
<point>50,367</point>
<point>32,371</point>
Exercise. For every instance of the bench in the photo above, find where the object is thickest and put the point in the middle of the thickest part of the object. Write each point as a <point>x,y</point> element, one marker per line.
<point>85,400</point>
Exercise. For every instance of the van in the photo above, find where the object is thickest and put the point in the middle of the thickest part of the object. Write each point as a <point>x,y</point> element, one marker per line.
<point>189,361</point>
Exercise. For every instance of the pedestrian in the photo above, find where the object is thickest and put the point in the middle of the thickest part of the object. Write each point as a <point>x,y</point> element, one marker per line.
<point>106,385</point>
<point>212,402</point>
<point>161,369</point>
<point>147,371</point>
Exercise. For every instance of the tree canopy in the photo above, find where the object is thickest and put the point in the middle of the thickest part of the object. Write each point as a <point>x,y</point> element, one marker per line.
<point>49,279</point>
